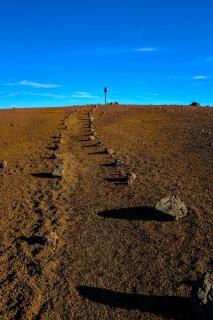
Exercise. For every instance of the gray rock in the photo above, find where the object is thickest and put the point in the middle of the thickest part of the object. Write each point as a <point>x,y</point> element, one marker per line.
<point>3,165</point>
<point>109,151</point>
<point>91,117</point>
<point>58,171</point>
<point>202,297</point>
<point>118,163</point>
<point>131,177</point>
<point>99,143</point>
<point>173,206</point>
<point>52,238</point>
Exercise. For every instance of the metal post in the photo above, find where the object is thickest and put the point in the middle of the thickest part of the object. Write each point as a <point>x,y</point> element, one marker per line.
<point>105,92</point>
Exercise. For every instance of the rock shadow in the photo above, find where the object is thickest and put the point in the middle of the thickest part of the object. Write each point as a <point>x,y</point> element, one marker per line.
<point>117,180</point>
<point>137,213</point>
<point>45,175</point>
<point>96,153</point>
<point>111,164</point>
<point>33,240</point>
<point>168,307</point>
<point>53,148</point>
<point>51,157</point>
<point>89,146</point>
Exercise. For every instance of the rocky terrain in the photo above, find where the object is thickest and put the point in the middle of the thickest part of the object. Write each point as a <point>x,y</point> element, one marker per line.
<point>80,233</point>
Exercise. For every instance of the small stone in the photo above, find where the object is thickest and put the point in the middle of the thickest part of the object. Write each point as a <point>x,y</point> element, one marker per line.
<point>52,238</point>
<point>109,151</point>
<point>3,165</point>
<point>118,163</point>
<point>58,171</point>
<point>99,143</point>
<point>173,206</point>
<point>91,116</point>
<point>131,177</point>
<point>91,138</point>
<point>202,297</point>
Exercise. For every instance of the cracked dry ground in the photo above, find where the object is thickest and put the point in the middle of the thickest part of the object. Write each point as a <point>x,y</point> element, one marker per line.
<point>85,247</point>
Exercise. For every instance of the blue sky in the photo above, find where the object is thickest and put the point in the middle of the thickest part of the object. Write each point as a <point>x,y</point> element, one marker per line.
<point>57,53</point>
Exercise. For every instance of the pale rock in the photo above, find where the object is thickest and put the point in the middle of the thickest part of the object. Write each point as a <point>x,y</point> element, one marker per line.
<point>202,297</point>
<point>173,206</point>
<point>58,171</point>
<point>131,177</point>
<point>3,165</point>
<point>118,163</point>
<point>52,238</point>
<point>109,151</point>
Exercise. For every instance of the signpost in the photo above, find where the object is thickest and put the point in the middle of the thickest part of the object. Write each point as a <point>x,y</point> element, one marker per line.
<point>105,93</point>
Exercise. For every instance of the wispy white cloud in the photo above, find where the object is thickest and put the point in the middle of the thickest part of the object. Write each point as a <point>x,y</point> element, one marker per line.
<point>202,59</point>
<point>197,77</point>
<point>200,77</point>
<point>79,95</point>
<point>12,94</point>
<point>83,94</point>
<point>170,78</point>
<point>209,59</point>
<point>114,51</point>
<point>35,94</point>
<point>145,49</point>
<point>50,95</point>
<point>153,94</point>
<point>27,83</point>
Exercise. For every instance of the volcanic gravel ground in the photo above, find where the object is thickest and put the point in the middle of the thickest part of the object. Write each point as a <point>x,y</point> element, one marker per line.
<point>89,246</point>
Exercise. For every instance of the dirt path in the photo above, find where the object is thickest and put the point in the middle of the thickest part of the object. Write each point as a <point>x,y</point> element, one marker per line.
<point>85,247</point>
<point>106,271</point>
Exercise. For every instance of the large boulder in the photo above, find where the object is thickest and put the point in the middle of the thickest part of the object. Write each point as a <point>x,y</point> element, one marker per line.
<point>202,297</point>
<point>172,206</point>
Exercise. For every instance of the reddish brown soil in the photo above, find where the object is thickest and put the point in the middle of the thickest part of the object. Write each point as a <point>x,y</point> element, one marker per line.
<point>87,246</point>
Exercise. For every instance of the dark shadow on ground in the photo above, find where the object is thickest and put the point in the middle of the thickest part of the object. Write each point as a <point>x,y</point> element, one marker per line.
<point>91,145</point>
<point>98,152</point>
<point>51,157</point>
<point>117,180</point>
<point>45,175</point>
<point>86,135</point>
<point>137,213</point>
<point>111,164</point>
<point>168,307</point>
<point>53,148</point>
<point>33,240</point>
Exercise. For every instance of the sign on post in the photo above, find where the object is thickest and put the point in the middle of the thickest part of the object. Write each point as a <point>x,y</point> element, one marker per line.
<point>105,93</point>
